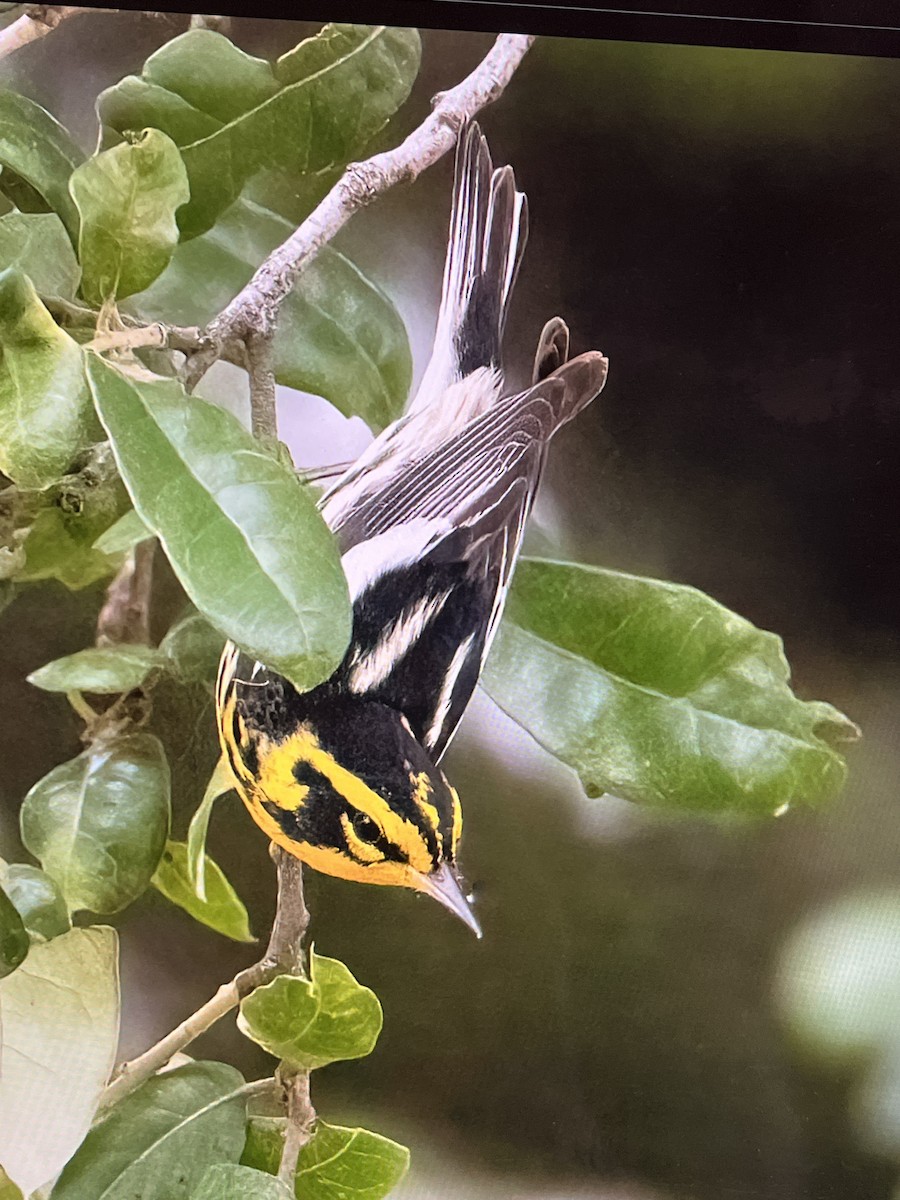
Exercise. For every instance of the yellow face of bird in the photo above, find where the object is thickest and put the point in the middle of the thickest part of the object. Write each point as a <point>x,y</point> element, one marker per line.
<point>354,796</point>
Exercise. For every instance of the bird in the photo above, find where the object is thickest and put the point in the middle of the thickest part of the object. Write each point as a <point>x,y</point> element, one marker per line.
<point>429,521</point>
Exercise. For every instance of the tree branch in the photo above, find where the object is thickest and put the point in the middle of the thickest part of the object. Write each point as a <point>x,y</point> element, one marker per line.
<point>284,954</point>
<point>301,1120</point>
<point>254,311</point>
<point>36,22</point>
<point>125,617</point>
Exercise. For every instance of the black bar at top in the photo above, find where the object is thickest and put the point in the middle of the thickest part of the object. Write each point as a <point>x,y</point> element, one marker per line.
<point>868,27</point>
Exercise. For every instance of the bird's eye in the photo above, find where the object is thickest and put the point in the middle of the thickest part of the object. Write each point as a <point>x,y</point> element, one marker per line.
<point>365,828</point>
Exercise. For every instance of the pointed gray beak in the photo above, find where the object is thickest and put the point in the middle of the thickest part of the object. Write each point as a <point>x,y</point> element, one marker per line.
<point>443,885</point>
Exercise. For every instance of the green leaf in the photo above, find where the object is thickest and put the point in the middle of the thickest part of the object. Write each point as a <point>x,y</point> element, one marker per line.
<point>8,1190</point>
<point>14,940</point>
<point>158,1143</point>
<point>335,1164</point>
<point>99,669</point>
<point>221,910</point>
<point>123,534</point>
<point>192,648</point>
<point>45,409</point>
<point>338,335</point>
<point>220,782</point>
<point>36,147</point>
<point>243,535</point>
<point>98,824</point>
<point>127,198</point>
<point>37,899</point>
<point>310,1023</point>
<point>660,695</point>
<point>229,1182</point>
<point>37,245</point>
<point>364,70</point>
<point>58,546</point>
<point>59,1016</point>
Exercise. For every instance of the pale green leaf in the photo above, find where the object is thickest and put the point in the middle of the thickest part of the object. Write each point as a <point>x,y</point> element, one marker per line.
<point>242,534</point>
<point>220,782</point>
<point>192,648</point>
<point>221,909</point>
<point>59,546</point>
<point>335,1164</point>
<point>37,244</point>
<point>158,1143</point>
<point>99,669</point>
<point>99,823</point>
<point>338,335</point>
<point>59,1016</point>
<point>127,198</point>
<point>364,70</point>
<point>230,1182</point>
<point>14,940</point>
<point>36,147</point>
<point>123,535</point>
<point>310,1023</point>
<point>37,899</point>
<point>45,408</point>
<point>658,694</point>
<point>8,1190</point>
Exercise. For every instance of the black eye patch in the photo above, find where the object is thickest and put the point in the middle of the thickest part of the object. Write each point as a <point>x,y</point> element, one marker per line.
<point>365,828</point>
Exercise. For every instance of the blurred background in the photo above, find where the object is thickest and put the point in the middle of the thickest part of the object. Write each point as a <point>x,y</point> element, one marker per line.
<point>660,1009</point>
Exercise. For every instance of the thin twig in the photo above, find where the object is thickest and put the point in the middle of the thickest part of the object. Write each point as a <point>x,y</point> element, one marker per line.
<point>301,1120</point>
<point>36,22</point>
<point>284,954</point>
<point>263,407</point>
<point>254,310</point>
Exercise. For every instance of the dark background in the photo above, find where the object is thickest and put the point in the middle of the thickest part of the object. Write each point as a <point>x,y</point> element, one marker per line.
<point>724,225</point>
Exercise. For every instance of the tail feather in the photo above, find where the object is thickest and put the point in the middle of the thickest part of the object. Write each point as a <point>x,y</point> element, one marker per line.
<point>488,231</point>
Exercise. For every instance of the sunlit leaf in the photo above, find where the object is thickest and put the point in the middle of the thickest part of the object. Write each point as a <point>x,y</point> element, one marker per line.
<point>656,693</point>
<point>37,148</point>
<point>98,823</point>
<point>336,1163</point>
<point>338,335</point>
<point>242,534</point>
<point>220,782</point>
<point>123,535</point>
<point>99,669</point>
<point>230,1182</point>
<point>37,245</point>
<point>364,70</point>
<point>158,1143</point>
<point>192,648</point>
<point>310,1023</point>
<point>127,198</point>
<point>37,899</point>
<point>59,1016</point>
<point>222,909</point>
<point>45,410</point>
<point>14,940</point>
<point>59,546</point>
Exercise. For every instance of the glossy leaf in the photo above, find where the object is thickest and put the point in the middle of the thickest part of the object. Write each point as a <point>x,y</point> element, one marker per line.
<point>98,823</point>
<point>36,147</point>
<point>338,335</point>
<point>127,198</point>
<point>37,245</point>
<point>222,909</point>
<point>99,669</point>
<point>59,1017</point>
<point>242,534</point>
<point>336,1163</point>
<point>310,1023</point>
<point>45,408</point>
<point>37,899</point>
<point>158,1143</point>
<point>192,648</point>
<point>660,695</point>
<point>229,1182</point>
<point>363,70</point>
<point>14,940</point>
